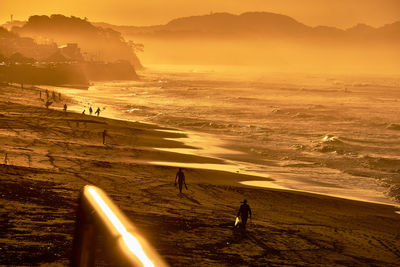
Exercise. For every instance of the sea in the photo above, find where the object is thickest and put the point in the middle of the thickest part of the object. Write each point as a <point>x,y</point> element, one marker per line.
<point>330,134</point>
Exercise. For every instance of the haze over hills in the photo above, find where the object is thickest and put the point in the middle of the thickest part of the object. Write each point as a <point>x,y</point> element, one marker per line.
<point>253,24</point>
<point>59,50</point>
<point>98,44</point>
<point>275,42</point>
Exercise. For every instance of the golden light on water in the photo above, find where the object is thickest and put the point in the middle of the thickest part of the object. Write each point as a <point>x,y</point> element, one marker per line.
<point>128,239</point>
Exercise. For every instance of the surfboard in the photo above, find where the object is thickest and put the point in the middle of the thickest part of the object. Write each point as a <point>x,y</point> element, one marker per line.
<point>237,221</point>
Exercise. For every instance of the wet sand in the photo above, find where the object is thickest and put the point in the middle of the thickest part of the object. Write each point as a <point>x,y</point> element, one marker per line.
<point>51,155</point>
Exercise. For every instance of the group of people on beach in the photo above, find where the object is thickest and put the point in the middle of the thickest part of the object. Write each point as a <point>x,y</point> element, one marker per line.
<point>244,210</point>
<point>50,99</point>
<point>53,97</point>
<point>97,112</point>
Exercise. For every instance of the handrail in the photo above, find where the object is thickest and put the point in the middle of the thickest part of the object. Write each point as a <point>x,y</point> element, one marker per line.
<point>97,214</point>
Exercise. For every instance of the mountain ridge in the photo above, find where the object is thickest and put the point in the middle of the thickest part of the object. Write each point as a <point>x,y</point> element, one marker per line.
<point>254,24</point>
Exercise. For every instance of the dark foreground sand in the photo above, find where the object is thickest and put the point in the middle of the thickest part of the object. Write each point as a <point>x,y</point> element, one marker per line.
<point>51,155</point>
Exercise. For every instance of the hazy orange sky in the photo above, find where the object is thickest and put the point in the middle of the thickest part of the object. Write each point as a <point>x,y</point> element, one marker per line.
<point>340,13</point>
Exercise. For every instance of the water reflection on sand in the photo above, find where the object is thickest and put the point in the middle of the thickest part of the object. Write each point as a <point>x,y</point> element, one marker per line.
<point>277,119</point>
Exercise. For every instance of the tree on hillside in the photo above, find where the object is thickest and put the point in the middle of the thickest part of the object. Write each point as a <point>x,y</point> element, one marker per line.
<point>97,43</point>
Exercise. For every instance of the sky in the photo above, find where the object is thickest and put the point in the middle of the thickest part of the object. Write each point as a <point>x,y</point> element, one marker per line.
<point>338,13</point>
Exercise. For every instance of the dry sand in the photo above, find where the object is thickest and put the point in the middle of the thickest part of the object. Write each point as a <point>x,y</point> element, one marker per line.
<point>51,155</point>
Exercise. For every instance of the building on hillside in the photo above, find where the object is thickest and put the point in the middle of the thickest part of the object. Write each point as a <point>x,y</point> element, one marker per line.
<point>71,51</point>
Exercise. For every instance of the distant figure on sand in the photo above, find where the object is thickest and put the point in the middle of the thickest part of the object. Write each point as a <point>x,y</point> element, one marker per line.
<point>90,110</point>
<point>48,103</point>
<point>83,112</point>
<point>97,112</point>
<point>47,93</point>
<point>244,212</point>
<point>104,136</point>
<point>181,179</point>
<point>65,107</point>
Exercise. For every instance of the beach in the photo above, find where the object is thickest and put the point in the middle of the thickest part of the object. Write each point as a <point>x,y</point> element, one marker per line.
<point>52,154</point>
<point>321,133</point>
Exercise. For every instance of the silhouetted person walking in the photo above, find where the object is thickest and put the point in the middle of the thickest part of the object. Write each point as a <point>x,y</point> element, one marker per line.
<point>104,136</point>
<point>90,110</point>
<point>244,212</point>
<point>65,107</point>
<point>97,112</point>
<point>83,112</point>
<point>181,179</point>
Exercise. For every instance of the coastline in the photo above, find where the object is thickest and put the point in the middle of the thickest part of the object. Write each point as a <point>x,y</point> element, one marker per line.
<point>52,155</point>
<point>293,156</point>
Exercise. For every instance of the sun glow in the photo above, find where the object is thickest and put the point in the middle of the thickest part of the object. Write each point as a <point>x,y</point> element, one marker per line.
<point>128,239</point>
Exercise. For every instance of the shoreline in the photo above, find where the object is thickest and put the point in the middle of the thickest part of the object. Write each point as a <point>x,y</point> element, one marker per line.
<point>206,144</point>
<point>53,154</point>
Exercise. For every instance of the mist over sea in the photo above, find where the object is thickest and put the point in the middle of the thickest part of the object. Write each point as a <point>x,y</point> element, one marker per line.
<point>328,134</point>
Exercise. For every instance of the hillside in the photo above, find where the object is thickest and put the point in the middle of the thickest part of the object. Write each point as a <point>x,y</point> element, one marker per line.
<point>272,41</point>
<point>97,44</point>
<point>11,45</point>
<point>255,24</point>
<point>24,61</point>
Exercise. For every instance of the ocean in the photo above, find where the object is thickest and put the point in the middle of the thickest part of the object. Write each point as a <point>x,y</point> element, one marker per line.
<point>329,134</point>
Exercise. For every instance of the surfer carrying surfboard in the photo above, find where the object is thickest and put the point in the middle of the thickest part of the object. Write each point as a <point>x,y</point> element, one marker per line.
<point>244,212</point>
<point>181,179</point>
